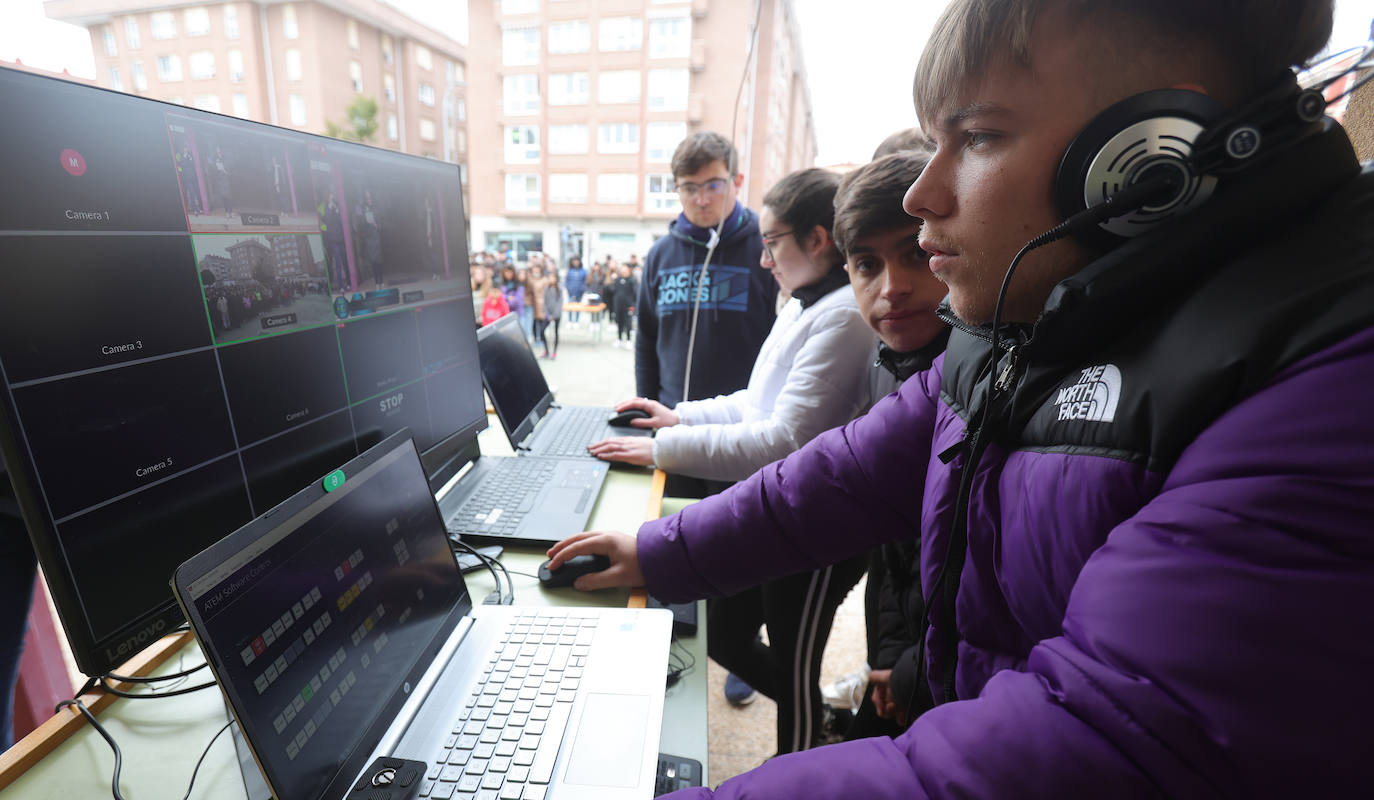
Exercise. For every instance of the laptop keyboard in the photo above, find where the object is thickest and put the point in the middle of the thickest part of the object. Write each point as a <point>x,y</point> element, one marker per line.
<point>506,740</point>
<point>505,495</point>
<point>578,427</point>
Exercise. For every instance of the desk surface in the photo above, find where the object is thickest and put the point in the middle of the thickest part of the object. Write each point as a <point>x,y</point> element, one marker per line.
<point>161,739</point>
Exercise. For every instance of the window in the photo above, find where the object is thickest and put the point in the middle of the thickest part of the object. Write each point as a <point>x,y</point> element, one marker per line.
<point>289,28</point>
<point>239,104</point>
<point>293,65</point>
<point>522,144</point>
<point>206,102</point>
<point>131,37</point>
<point>456,73</point>
<point>661,139</point>
<point>168,68</point>
<point>231,21</point>
<point>297,103</point>
<point>202,65</point>
<point>617,189</point>
<point>140,77</point>
<point>568,139</point>
<point>427,129</point>
<point>521,94</point>
<point>519,6</point>
<point>568,89</point>
<point>568,188</point>
<point>111,49</point>
<point>393,131</point>
<point>569,37</point>
<point>355,74</point>
<point>620,33</point>
<point>668,89</point>
<point>389,87</point>
<point>520,46</point>
<point>670,37</point>
<point>617,137</point>
<point>388,49</point>
<point>660,193</point>
<point>462,110</point>
<point>352,28</point>
<point>618,86</point>
<point>197,21</point>
<point>115,82</point>
<point>462,141</point>
<point>164,25</point>
<point>522,192</point>
<point>176,100</point>
<point>423,57</point>
<point>236,65</point>
<point>426,94</point>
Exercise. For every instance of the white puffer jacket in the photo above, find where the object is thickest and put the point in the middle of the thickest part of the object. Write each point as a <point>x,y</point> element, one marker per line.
<point>811,375</point>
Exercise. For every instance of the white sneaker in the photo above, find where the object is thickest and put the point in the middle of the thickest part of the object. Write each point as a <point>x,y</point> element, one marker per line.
<point>847,691</point>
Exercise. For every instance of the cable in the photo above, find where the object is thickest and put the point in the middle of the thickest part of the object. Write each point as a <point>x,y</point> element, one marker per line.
<point>714,240</point>
<point>522,574</point>
<point>685,662</point>
<point>104,683</point>
<point>155,679</point>
<point>491,565</point>
<point>119,755</point>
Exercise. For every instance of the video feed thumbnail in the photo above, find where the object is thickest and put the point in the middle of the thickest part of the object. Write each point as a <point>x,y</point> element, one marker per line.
<point>235,178</point>
<point>69,303</point>
<point>256,285</point>
<point>282,383</point>
<point>388,233</point>
<point>129,548</point>
<point>78,158</point>
<point>99,435</point>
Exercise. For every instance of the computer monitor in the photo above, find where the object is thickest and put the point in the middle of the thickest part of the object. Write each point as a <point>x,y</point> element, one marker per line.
<point>199,315</point>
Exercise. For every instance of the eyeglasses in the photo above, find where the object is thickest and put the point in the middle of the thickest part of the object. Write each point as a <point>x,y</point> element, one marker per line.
<point>714,188</point>
<point>769,239</point>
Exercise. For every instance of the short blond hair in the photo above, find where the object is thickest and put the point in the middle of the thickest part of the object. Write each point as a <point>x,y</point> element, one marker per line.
<point>1254,39</point>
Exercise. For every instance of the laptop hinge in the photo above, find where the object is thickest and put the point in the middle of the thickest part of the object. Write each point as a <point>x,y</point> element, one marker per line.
<point>421,691</point>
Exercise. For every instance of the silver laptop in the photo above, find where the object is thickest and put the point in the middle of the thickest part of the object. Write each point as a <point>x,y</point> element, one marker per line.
<point>533,422</point>
<point>341,632</point>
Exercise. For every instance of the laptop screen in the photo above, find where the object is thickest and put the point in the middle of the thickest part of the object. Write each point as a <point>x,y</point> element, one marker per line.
<point>517,388</point>
<point>317,617</point>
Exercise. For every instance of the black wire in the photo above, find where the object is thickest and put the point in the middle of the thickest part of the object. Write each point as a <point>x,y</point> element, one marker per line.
<point>105,685</point>
<point>119,755</point>
<point>492,565</point>
<point>155,679</point>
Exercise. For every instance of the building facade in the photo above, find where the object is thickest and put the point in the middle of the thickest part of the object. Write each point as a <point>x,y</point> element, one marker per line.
<point>294,64</point>
<point>577,106</point>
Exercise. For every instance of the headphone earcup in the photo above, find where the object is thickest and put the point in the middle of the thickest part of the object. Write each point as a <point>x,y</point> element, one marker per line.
<point>1147,134</point>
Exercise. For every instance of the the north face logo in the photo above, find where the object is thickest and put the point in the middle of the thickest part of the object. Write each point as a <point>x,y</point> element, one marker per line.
<point>1094,397</point>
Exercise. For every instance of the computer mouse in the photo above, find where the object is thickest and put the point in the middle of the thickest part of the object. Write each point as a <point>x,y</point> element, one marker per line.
<point>622,420</point>
<point>572,569</point>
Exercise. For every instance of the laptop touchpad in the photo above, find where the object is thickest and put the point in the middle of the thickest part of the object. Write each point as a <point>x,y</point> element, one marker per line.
<point>610,741</point>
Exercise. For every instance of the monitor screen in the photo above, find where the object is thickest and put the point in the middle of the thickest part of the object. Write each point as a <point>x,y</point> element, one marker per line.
<point>199,315</point>
<point>512,376</point>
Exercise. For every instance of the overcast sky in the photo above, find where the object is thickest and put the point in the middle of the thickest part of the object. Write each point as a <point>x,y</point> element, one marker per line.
<point>860,56</point>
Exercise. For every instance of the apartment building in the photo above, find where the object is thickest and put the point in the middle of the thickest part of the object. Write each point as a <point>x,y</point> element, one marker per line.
<point>295,64</point>
<point>577,106</point>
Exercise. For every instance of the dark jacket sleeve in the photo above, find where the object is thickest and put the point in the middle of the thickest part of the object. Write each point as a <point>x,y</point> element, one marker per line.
<point>646,339</point>
<point>893,636</point>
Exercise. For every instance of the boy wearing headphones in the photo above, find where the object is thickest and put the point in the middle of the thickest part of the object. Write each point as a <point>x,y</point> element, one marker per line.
<point>1144,524</point>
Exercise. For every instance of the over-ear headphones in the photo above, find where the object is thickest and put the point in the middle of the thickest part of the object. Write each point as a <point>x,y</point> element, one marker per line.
<point>1178,141</point>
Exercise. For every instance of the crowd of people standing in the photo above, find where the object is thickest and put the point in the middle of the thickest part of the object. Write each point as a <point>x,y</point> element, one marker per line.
<point>537,292</point>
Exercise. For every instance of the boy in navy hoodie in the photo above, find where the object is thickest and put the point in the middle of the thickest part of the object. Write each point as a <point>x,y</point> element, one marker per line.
<point>734,306</point>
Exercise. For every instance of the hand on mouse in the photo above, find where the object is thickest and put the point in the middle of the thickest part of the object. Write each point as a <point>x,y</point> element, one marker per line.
<point>660,416</point>
<point>619,547</point>
<point>627,449</point>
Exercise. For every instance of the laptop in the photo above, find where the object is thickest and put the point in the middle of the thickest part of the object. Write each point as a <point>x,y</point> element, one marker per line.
<point>534,423</point>
<point>341,632</point>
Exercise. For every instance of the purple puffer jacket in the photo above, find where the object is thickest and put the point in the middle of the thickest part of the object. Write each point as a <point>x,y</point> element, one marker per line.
<point>1135,621</point>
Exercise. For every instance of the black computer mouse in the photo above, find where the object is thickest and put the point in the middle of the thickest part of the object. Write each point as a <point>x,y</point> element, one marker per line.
<point>572,569</point>
<point>622,420</point>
